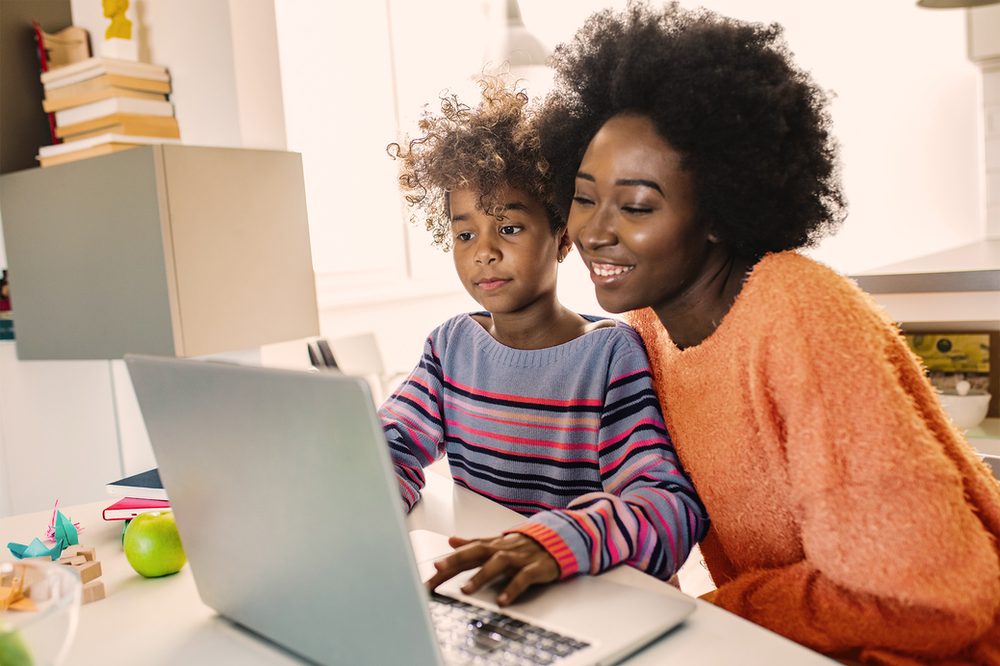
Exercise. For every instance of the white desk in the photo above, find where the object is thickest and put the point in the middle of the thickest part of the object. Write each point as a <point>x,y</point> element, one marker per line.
<point>163,621</point>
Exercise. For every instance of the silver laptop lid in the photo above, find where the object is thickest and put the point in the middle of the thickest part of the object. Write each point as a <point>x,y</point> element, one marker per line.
<point>313,554</point>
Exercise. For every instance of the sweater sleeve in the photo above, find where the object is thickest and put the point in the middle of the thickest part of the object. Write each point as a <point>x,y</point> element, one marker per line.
<point>413,425</point>
<point>894,554</point>
<point>648,515</point>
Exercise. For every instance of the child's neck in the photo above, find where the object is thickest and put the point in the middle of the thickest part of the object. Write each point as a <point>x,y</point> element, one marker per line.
<point>536,328</point>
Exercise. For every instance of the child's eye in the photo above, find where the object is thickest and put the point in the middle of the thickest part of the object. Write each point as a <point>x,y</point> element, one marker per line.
<point>465,236</point>
<point>510,229</point>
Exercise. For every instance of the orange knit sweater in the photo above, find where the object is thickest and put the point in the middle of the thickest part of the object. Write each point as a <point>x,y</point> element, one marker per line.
<point>848,513</point>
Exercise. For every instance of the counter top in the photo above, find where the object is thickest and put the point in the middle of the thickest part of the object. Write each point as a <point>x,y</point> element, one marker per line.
<point>972,267</point>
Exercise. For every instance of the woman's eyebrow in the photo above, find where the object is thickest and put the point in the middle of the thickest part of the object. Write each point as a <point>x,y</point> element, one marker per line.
<point>638,182</point>
<point>626,182</point>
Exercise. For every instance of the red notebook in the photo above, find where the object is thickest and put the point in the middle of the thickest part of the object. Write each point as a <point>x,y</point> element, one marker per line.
<point>130,507</point>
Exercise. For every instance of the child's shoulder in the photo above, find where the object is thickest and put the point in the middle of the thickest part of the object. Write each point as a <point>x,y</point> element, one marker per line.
<point>461,324</point>
<point>614,331</point>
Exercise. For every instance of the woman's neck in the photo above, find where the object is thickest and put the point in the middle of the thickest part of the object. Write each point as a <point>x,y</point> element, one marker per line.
<point>694,317</point>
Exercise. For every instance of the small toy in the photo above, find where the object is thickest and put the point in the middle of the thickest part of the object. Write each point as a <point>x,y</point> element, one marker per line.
<point>84,561</point>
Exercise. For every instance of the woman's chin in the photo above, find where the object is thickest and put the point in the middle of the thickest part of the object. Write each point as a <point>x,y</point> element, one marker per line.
<point>611,304</point>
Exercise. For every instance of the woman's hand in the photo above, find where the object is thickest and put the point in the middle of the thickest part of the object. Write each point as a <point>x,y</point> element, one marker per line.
<point>513,555</point>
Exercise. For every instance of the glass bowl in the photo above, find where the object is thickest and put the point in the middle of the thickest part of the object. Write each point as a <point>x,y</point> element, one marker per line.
<point>966,411</point>
<point>39,637</point>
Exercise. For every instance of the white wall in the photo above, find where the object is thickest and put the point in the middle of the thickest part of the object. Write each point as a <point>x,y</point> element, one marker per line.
<point>906,114</point>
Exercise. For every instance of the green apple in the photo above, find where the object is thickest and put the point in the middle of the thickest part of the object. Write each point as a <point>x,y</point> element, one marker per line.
<point>13,651</point>
<point>152,544</point>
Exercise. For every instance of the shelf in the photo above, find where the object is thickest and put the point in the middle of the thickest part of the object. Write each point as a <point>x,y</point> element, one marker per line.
<point>985,437</point>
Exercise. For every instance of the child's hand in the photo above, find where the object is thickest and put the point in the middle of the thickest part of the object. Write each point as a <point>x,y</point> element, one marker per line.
<point>515,555</point>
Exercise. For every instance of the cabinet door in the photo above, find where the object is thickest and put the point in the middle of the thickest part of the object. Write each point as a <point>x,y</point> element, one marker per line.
<point>58,439</point>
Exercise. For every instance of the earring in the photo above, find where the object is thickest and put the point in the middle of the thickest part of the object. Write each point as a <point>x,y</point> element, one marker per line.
<point>561,259</point>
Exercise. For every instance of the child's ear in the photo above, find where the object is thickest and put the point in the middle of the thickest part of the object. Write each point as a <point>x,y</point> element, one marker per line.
<point>565,244</point>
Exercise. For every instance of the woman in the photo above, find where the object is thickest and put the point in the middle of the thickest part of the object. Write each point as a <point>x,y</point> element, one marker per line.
<point>848,513</point>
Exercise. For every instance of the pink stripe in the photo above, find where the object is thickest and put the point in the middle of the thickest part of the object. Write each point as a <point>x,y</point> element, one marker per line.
<point>562,426</point>
<point>553,544</point>
<point>414,431</point>
<point>558,446</point>
<point>659,516</point>
<point>523,399</point>
<point>503,499</point>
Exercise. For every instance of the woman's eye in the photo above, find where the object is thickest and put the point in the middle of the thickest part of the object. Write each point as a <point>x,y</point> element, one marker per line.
<point>509,229</point>
<point>582,200</point>
<point>636,210</point>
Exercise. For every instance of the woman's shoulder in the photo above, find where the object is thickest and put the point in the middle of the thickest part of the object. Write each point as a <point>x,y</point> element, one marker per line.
<point>790,289</point>
<point>791,280</point>
<point>792,268</point>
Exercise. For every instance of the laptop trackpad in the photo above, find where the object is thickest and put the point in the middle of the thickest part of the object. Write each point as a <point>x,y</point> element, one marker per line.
<point>585,607</point>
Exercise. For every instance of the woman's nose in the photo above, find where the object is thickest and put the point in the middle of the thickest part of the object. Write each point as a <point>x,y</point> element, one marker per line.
<point>591,231</point>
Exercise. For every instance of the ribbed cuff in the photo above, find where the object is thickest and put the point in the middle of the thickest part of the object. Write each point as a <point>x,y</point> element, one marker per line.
<point>553,543</point>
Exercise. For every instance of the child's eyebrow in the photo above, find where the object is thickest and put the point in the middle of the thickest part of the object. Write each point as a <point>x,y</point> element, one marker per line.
<point>627,182</point>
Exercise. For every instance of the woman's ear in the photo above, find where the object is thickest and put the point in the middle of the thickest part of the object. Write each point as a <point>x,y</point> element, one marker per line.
<point>565,244</point>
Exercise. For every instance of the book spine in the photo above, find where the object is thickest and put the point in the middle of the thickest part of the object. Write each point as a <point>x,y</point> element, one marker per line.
<point>73,101</point>
<point>111,105</point>
<point>99,82</point>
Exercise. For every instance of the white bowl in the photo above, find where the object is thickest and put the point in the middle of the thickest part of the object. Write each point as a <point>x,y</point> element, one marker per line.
<point>966,411</point>
<point>48,631</point>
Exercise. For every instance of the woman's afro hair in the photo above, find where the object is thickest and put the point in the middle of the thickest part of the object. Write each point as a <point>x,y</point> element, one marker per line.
<point>486,149</point>
<point>750,126</point>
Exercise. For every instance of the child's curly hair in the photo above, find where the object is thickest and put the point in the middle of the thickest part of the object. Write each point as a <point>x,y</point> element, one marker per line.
<point>751,127</point>
<point>486,149</point>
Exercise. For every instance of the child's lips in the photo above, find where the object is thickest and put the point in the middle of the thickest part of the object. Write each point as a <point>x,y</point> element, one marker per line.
<point>491,283</point>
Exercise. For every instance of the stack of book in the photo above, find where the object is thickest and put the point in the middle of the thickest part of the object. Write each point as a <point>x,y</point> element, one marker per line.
<point>102,105</point>
<point>137,494</point>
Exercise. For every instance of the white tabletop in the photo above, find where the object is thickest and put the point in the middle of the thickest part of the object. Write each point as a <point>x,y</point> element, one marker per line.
<point>163,621</point>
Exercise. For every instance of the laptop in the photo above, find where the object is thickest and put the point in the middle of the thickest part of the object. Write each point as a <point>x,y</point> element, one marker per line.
<point>289,510</point>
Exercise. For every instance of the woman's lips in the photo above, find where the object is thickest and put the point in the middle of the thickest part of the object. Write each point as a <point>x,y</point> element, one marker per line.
<point>608,273</point>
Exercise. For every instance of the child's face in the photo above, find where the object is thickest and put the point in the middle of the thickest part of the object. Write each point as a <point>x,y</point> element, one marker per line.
<point>510,264</point>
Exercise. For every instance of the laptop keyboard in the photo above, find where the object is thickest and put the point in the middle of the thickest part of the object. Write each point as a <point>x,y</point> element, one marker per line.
<point>478,636</point>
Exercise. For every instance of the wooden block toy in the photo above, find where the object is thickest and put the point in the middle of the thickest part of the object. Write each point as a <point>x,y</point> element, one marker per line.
<point>88,570</point>
<point>6,578</point>
<point>92,591</point>
<point>77,550</point>
<point>72,561</point>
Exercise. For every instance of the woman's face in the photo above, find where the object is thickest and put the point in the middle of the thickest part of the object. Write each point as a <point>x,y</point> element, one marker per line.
<point>633,218</point>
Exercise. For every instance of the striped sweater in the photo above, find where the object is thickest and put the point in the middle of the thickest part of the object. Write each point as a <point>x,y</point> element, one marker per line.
<point>571,436</point>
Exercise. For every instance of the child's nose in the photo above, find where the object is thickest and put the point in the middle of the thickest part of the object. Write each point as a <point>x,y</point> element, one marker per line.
<point>487,251</point>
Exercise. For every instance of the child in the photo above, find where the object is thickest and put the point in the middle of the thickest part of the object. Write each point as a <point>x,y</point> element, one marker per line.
<point>548,412</point>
